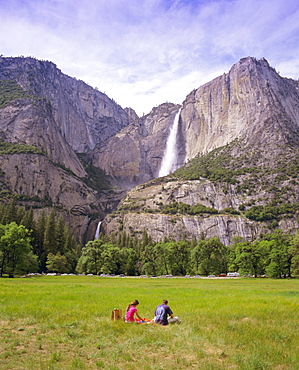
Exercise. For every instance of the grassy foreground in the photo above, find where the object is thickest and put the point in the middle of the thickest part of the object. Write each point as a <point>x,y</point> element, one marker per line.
<point>63,322</point>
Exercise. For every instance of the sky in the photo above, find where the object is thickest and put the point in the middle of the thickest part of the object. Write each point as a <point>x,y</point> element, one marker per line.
<point>143,53</point>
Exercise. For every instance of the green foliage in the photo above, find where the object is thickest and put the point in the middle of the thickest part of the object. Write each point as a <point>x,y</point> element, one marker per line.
<point>97,178</point>
<point>275,254</point>
<point>49,237</point>
<point>209,257</point>
<point>183,208</point>
<point>231,211</point>
<point>272,255</point>
<point>57,263</point>
<point>269,212</point>
<point>294,251</point>
<point>14,246</point>
<point>14,148</point>
<point>214,166</point>
<point>9,91</point>
<point>98,257</point>
<point>129,255</point>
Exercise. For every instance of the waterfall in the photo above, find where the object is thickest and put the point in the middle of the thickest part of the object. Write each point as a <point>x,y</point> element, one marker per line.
<point>98,230</point>
<point>169,161</point>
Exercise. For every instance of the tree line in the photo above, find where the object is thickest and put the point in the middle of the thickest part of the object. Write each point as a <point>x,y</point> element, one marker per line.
<point>46,245</point>
<point>275,255</point>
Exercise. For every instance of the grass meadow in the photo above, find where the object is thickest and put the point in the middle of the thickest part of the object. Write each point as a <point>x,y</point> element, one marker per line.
<point>63,322</point>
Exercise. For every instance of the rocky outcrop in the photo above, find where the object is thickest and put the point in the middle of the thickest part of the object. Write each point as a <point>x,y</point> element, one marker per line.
<point>132,115</point>
<point>134,154</point>
<point>39,182</point>
<point>159,226</point>
<point>31,122</point>
<point>85,116</point>
<point>252,102</point>
<point>142,209</point>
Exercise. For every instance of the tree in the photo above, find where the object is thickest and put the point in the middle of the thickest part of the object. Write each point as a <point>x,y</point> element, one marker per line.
<point>129,258</point>
<point>10,214</point>
<point>110,259</point>
<point>178,257</point>
<point>161,251</point>
<point>148,261</point>
<point>90,261</point>
<point>209,257</point>
<point>14,246</point>
<point>28,220</point>
<point>250,258</point>
<point>50,244</point>
<point>57,263</point>
<point>20,215</point>
<point>294,251</point>
<point>280,255</point>
<point>39,240</point>
<point>60,235</point>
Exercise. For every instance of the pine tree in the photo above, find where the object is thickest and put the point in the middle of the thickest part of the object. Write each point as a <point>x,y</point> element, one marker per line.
<point>144,241</point>
<point>28,220</point>
<point>60,235</point>
<point>40,232</point>
<point>20,215</point>
<point>50,244</point>
<point>10,213</point>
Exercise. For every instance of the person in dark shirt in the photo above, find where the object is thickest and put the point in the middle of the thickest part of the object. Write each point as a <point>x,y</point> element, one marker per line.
<point>164,314</point>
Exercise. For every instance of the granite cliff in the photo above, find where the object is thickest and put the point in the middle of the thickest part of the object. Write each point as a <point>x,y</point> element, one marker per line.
<point>64,143</point>
<point>46,118</point>
<point>85,116</point>
<point>240,136</point>
<point>133,156</point>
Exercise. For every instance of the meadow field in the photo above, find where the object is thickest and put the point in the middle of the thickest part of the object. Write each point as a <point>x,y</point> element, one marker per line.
<point>63,322</point>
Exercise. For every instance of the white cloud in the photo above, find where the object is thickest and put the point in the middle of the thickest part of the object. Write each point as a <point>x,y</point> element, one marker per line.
<point>145,52</point>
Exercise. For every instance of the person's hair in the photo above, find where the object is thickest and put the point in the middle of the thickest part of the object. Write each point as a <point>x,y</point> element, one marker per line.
<point>165,301</point>
<point>134,303</point>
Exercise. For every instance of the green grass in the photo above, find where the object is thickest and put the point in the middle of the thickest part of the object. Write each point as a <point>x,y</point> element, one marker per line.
<point>64,323</point>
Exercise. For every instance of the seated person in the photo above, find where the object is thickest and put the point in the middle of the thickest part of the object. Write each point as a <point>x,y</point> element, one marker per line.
<point>162,312</point>
<point>131,310</point>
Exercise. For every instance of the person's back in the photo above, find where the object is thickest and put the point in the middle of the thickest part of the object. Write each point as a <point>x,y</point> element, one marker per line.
<point>161,313</point>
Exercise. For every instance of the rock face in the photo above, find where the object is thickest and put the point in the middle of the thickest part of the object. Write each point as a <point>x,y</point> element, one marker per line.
<point>143,209</point>
<point>32,123</point>
<point>134,154</point>
<point>151,197</point>
<point>237,145</point>
<point>56,116</point>
<point>49,176</point>
<point>251,115</point>
<point>84,115</point>
<point>160,226</point>
<point>252,102</point>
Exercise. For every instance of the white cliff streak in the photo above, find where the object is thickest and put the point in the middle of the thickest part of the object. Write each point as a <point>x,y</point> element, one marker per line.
<point>169,161</point>
<point>98,230</point>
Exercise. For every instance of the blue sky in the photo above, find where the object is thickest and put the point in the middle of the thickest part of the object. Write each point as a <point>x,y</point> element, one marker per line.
<point>143,53</point>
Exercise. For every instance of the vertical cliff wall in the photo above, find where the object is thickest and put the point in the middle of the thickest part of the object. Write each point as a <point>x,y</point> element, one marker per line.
<point>251,102</point>
<point>85,116</point>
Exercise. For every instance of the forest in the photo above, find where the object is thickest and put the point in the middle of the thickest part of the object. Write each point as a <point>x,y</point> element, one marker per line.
<point>45,245</point>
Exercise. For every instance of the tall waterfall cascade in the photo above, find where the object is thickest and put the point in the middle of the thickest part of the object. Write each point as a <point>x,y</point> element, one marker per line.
<point>169,161</point>
<point>98,230</point>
